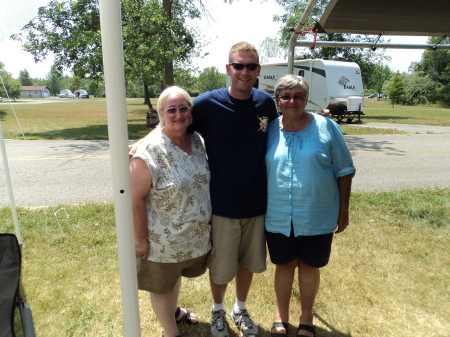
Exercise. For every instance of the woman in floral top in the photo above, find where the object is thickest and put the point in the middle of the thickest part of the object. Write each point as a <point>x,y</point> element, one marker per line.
<point>171,208</point>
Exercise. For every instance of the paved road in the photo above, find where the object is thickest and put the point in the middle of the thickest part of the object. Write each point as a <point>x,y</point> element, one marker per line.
<point>67,172</point>
<point>408,128</point>
<point>56,172</point>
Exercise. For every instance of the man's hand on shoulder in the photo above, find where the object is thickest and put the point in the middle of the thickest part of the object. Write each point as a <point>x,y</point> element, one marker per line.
<point>132,148</point>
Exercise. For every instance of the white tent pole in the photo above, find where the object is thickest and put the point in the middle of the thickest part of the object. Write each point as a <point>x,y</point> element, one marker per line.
<point>12,202</point>
<point>293,40</point>
<point>113,64</point>
<point>311,44</point>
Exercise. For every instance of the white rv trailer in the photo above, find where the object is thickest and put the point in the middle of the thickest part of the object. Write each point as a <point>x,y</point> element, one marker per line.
<point>334,85</point>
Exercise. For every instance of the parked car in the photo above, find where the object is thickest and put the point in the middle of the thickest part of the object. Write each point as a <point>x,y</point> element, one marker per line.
<point>66,93</point>
<point>1,98</point>
<point>372,96</point>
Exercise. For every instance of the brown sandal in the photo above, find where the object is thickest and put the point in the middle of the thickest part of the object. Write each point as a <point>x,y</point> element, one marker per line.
<point>307,328</point>
<point>186,318</point>
<point>279,325</point>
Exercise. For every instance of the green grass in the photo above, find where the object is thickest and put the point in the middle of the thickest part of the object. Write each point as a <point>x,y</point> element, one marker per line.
<point>87,119</point>
<point>389,273</point>
<point>69,119</point>
<point>383,112</point>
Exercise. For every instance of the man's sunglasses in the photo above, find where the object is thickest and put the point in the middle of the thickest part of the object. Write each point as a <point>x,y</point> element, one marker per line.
<point>241,66</point>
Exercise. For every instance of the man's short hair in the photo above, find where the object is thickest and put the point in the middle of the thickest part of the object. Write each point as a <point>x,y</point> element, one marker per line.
<point>242,46</point>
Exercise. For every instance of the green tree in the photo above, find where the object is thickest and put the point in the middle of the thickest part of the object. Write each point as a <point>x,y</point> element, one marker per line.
<point>134,89</point>
<point>184,78</point>
<point>435,64</point>
<point>395,88</point>
<point>419,89</point>
<point>155,38</point>
<point>163,41</point>
<point>69,29</point>
<point>66,82</point>
<point>96,88</point>
<point>53,80</point>
<point>24,77</point>
<point>365,58</point>
<point>271,48</point>
<point>210,78</point>
<point>11,85</point>
<point>380,75</point>
<point>444,89</point>
<point>76,83</point>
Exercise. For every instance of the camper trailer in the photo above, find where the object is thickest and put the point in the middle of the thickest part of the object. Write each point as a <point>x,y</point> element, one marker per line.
<point>80,93</point>
<point>334,85</point>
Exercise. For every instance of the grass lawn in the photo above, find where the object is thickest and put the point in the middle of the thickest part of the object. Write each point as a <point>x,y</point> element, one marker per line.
<point>68,119</point>
<point>87,119</point>
<point>381,111</point>
<point>389,273</point>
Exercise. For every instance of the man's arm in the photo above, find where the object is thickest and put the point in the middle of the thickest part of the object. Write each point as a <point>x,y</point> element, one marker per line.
<point>141,181</point>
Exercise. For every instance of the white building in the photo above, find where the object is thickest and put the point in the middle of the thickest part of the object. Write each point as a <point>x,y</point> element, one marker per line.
<point>30,91</point>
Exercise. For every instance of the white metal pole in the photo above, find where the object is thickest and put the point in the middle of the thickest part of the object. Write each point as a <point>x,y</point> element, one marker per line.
<point>113,64</point>
<point>293,40</point>
<point>345,44</point>
<point>12,202</point>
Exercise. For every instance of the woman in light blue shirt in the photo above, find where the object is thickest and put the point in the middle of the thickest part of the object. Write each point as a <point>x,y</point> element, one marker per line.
<point>309,172</point>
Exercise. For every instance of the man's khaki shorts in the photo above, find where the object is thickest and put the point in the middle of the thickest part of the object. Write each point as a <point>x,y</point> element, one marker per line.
<point>160,278</point>
<point>234,242</point>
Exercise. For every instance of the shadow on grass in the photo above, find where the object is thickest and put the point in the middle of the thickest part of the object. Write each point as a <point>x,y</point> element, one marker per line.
<point>332,333</point>
<point>140,104</point>
<point>90,132</point>
<point>356,143</point>
<point>368,118</point>
<point>204,328</point>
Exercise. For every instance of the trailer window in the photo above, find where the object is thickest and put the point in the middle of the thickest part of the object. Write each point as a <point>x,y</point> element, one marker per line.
<point>301,73</point>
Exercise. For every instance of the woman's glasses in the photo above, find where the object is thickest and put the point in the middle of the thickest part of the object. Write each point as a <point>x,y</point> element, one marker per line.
<point>183,109</point>
<point>296,97</point>
<point>241,66</point>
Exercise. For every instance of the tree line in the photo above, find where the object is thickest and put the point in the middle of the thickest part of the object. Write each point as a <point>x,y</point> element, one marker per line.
<point>159,47</point>
<point>208,79</point>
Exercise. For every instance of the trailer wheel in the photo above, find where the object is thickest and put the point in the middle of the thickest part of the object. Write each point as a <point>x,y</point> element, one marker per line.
<point>339,118</point>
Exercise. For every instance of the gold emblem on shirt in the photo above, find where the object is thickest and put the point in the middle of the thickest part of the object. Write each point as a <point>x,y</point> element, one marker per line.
<point>263,123</point>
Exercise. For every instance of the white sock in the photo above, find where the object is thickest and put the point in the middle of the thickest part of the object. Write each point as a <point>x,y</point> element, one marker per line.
<point>219,306</point>
<point>238,306</point>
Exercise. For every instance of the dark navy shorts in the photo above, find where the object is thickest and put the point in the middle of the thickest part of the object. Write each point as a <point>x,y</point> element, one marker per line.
<point>313,250</point>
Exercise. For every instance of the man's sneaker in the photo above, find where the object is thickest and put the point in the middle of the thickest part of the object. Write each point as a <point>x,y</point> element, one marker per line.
<point>244,323</point>
<point>219,326</point>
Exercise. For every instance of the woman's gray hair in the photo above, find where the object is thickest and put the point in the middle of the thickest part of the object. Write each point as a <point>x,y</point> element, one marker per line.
<point>163,97</point>
<point>290,81</point>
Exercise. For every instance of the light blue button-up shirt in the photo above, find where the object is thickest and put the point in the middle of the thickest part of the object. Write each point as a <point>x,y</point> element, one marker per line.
<point>302,172</point>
